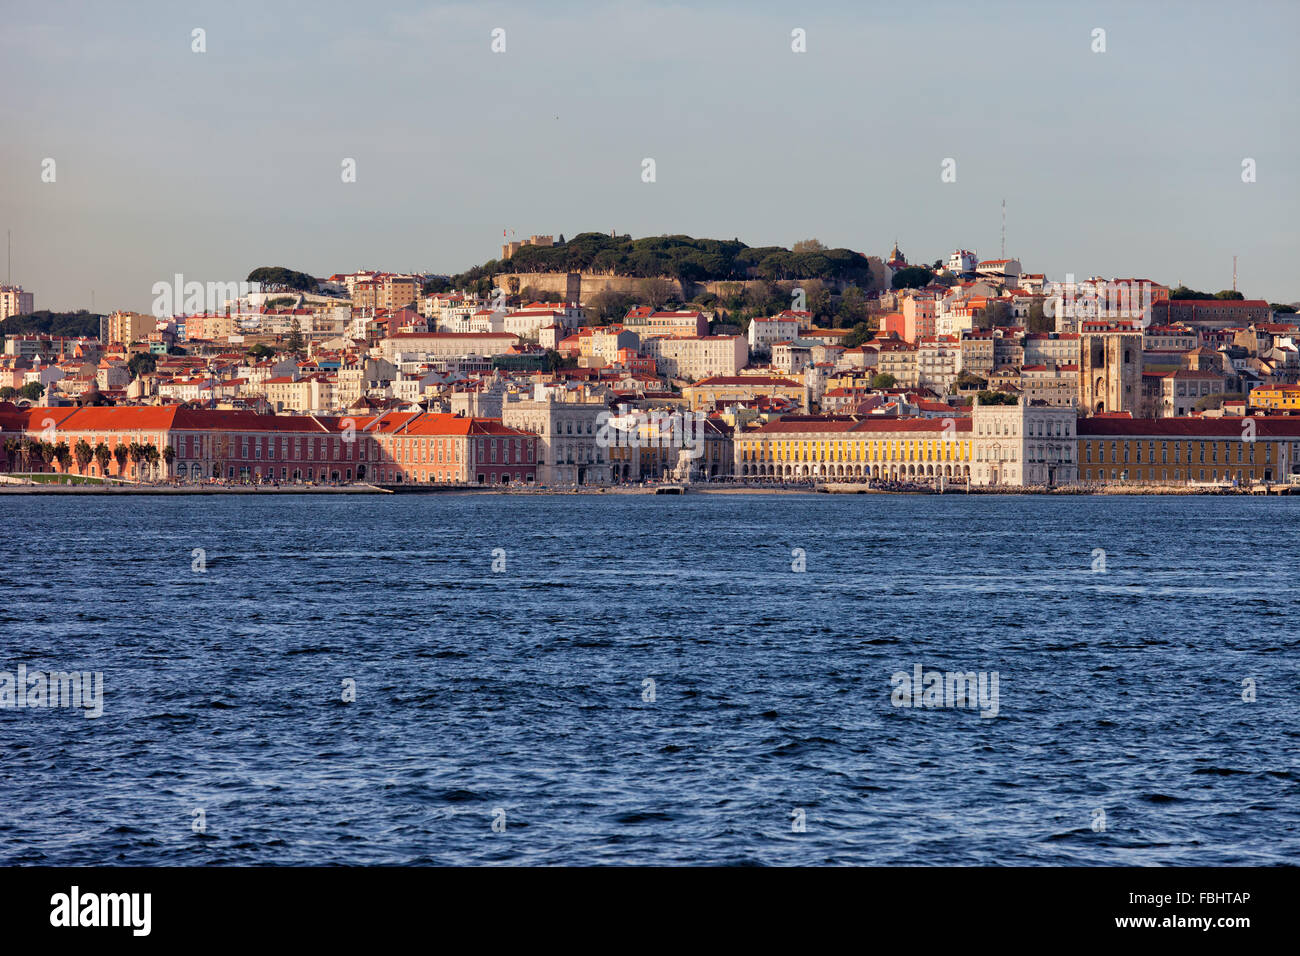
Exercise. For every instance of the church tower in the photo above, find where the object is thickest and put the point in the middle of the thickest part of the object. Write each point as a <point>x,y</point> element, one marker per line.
<point>1110,368</point>
<point>896,259</point>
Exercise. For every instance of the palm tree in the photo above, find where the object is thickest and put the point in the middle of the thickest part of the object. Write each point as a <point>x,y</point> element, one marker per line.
<point>169,455</point>
<point>63,455</point>
<point>151,457</point>
<point>46,450</point>
<point>103,455</point>
<point>83,453</point>
<point>136,453</point>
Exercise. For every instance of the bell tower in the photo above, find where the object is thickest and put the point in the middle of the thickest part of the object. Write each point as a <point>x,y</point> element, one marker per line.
<point>1110,369</point>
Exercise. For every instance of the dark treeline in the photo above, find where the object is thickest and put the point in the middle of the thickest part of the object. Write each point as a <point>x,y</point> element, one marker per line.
<point>682,258</point>
<point>45,322</point>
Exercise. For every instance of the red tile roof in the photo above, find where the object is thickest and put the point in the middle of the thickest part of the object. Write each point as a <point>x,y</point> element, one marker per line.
<point>1103,426</point>
<point>757,381</point>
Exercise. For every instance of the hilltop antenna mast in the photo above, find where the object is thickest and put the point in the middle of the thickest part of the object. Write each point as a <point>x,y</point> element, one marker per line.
<point>1004,229</point>
<point>1234,273</point>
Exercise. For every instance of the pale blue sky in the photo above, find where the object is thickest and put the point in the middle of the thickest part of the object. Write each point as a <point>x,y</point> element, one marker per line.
<point>1124,163</point>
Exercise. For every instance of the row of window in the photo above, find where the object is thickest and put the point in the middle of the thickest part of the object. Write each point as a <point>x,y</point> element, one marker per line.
<point>860,451</point>
<point>269,447</point>
<point>1199,447</point>
<point>198,472</point>
<point>1035,453</point>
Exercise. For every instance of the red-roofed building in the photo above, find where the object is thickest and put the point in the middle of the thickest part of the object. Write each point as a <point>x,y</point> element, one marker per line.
<point>722,390</point>
<point>1175,451</point>
<point>394,448</point>
<point>448,449</point>
<point>666,323</point>
<point>852,449</point>
<point>1211,313</point>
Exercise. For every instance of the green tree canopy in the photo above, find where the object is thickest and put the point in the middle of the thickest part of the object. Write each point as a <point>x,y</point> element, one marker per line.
<point>142,363</point>
<point>609,306</point>
<point>278,278</point>
<point>681,257</point>
<point>295,342</point>
<point>859,334</point>
<point>45,322</point>
<point>911,277</point>
<point>1182,292</point>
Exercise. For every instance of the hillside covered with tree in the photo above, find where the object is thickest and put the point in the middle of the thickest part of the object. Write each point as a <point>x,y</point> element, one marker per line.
<point>682,258</point>
<point>45,322</point>
<point>280,279</point>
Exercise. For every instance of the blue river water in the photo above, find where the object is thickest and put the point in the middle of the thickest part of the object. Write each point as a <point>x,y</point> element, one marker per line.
<point>651,680</point>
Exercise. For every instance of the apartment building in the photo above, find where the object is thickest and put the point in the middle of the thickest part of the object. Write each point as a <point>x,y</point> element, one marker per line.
<point>1049,384</point>
<point>938,362</point>
<point>427,346</point>
<point>696,357</point>
<point>123,328</point>
<point>791,358</point>
<point>762,334</point>
<point>898,359</point>
<point>1050,348</point>
<point>919,314</point>
<point>385,291</point>
<point>213,327</point>
<point>1174,394</point>
<point>646,322</point>
<point>14,301</point>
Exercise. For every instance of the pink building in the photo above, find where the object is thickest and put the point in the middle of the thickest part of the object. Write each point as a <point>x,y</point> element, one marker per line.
<point>918,317</point>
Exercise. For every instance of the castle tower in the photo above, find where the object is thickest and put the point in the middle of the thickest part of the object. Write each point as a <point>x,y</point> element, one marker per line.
<point>1110,371</point>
